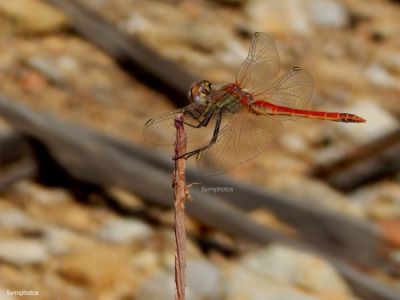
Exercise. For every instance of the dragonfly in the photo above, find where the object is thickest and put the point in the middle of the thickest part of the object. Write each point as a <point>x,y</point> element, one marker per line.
<point>229,124</point>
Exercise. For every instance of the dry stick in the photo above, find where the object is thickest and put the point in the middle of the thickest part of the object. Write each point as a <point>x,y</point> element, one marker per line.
<point>180,196</point>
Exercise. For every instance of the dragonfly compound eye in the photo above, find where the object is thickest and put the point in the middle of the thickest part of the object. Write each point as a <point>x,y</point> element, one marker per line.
<point>199,91</point>
<point>206,87</point>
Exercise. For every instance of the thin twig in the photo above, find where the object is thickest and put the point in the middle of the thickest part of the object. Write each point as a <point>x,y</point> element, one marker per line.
<point>180,196</point>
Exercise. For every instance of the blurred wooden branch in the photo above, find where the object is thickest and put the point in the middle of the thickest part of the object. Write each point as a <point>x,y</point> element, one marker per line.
<point>368,163</point>
<point>129,52</point>
<point>23,169</point>
<point>100,159</point>
<point>12,147</point>
<point>16,163</point>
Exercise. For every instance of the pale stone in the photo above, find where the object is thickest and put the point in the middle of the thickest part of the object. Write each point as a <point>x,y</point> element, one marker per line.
<point>379,122</point>
<point>33,15</point>
<point>23,252</point>
<point>123,231</point>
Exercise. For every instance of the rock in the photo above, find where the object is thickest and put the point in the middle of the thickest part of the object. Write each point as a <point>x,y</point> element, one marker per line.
<point>55,285</point>
<point>125,198</point>
<point>15,219</point>
<point>231,2</point>
<point>395,255</point>
<point>121,231</point>
<point>146,262</point>
<point>313,192</point>
<point>60,241</point>
<point>380,201</point>
<point>204,278</point>
<point>33,15</point>
<point>56,69</point>
<point>100,267</point>
<point>203,282</point>
<point>380,76</point>
<point>233,55</point>
<point>379,122</point>
<point>45,66</point>
<point>268,219</point>
<point>296,267</point>
<point>327,155</point>
<point>41,195</point>
<point>3,294</point>
<point>68,64</point>
<point>244,284</point>
<point>280,163</point>
<point>328,13</point>
<point>73,216</point>
<point>208,37</point>
<point>278,17</point>
<point>278,272</point>
<point>391,231</point>
<point>22,252</point>
<point>160,287</point>
<point>294,143</point>
<point>389,58</point>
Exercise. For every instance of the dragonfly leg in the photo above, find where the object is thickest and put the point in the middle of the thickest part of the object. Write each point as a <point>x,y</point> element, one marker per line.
<point>204,122</point>
<point>198,111</point>
<point>190,113</point>
<point>213,139</point>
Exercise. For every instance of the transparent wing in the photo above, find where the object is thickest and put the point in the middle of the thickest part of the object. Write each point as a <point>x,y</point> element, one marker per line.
<point>293,90</point>
<point>244,137</point>
<point>261,65</point>
<point>160,130</point>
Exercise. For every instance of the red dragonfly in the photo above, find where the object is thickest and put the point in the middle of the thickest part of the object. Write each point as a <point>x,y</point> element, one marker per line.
<point>232,123</point>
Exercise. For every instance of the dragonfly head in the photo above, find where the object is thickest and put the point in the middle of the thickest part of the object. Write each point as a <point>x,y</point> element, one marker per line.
<point>199,91</point>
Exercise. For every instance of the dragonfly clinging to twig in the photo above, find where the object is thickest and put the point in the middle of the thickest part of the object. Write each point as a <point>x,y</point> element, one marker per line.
<point>235,122</point>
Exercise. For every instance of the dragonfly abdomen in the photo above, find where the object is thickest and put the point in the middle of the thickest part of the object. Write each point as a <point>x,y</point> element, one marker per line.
<point>349,118</point>
<point>332,116</point>
<point>272,109</point>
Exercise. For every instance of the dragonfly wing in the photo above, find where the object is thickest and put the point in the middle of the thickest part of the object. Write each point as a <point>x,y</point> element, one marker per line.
<point>244,137</point>
<point>160,130</point>
<point>293,90</point>
<point>261,65</point>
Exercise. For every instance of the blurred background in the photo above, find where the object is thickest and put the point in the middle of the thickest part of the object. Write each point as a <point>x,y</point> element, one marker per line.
<point>85,203</point>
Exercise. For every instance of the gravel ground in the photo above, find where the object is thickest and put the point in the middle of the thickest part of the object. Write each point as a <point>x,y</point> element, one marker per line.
<point>351,48</point>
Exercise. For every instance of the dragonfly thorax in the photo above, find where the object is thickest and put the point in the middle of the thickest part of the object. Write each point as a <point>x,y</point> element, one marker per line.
<point>229,98</point>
